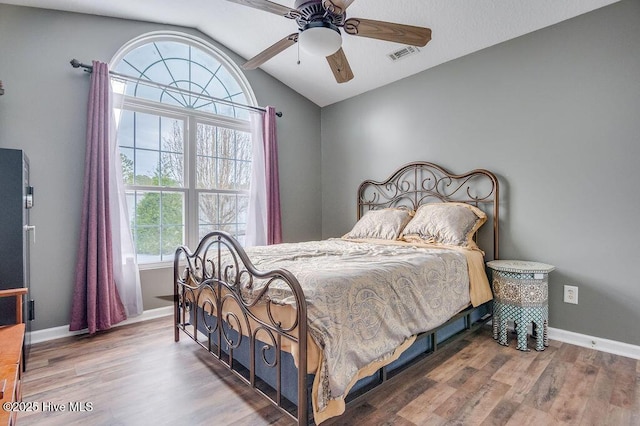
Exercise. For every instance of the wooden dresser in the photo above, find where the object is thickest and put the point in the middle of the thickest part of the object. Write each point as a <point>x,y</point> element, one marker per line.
<point>11,342</point>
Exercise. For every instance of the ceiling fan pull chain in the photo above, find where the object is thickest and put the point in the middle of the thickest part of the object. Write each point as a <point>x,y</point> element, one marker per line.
<point>298,47</point>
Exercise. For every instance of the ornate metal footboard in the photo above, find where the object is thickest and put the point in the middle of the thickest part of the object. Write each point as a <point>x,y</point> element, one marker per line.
<point>215,294</point>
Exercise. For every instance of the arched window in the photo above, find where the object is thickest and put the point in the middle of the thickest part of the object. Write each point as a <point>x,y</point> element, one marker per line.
<point>184,140</point>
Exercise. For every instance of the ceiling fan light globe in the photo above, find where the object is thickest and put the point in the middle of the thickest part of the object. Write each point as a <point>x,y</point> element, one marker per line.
<point>320,41</point>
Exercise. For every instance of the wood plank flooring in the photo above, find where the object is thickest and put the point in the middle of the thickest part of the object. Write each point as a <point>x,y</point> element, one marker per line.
<point>137,375</point>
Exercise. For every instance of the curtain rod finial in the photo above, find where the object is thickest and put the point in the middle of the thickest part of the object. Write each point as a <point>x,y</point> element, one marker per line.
<point>75,63</point>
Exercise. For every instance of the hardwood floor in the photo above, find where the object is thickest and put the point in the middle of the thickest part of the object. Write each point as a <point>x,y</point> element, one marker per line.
<point>137,375</point>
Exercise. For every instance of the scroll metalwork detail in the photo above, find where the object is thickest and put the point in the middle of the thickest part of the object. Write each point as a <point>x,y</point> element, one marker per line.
<point>215,293</point>
<point>269,346</point>
<point>420,182</point>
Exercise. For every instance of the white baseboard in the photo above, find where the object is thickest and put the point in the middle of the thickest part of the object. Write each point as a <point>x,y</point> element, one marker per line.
<point>597,343</point>
<point>583,340</point>
<point>47,334</point>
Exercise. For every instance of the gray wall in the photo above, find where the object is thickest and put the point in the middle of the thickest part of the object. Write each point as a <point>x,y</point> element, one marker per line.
<point>44,113</point>
<point>555,114</point>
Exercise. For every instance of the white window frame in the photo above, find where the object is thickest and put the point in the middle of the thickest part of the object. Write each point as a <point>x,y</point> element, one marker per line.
<point>190,118</point>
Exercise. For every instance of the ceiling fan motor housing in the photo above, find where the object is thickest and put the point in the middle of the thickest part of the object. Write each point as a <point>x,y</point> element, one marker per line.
<point>313,11</point>
<point>319,32</point>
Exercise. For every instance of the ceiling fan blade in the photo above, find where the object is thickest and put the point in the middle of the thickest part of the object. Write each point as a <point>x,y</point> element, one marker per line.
<point>389,31</point>
<point>270,52</point>
<point>340,66</point>
<point>269,6</point>
<point>337,6</point>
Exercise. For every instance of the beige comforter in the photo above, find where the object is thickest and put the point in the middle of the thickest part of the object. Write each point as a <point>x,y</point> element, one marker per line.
<point>366,299</point>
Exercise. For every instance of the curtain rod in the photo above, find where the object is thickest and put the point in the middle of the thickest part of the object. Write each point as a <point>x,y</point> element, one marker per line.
<point>89,68</point>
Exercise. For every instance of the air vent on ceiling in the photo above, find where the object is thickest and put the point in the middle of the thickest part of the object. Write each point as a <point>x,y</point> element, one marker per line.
<point>403,53</point>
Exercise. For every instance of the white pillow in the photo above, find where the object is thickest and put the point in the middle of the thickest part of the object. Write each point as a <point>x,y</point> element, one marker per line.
<point>445,223</point>
<point>384,224</point>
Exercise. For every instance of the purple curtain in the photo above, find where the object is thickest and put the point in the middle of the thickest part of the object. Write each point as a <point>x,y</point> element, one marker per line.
<point>96,304</point>
<point>274,220</point>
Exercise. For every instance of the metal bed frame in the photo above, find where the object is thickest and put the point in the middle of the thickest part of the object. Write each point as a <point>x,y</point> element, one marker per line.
<point>249,344</point>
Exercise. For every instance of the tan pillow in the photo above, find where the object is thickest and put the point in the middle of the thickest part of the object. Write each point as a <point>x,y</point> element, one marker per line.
<point>384,224</point>
<point>445,223</point>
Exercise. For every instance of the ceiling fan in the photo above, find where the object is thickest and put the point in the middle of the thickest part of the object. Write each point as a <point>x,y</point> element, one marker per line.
<point>319,23</point>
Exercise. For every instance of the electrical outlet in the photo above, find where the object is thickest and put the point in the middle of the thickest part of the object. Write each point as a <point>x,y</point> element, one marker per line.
<point>571,294</point>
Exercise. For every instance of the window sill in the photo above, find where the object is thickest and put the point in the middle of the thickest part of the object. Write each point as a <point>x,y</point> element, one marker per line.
<point>155,265</point>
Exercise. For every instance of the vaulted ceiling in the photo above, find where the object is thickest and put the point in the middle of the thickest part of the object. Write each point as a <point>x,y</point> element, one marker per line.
<point>458,27</point>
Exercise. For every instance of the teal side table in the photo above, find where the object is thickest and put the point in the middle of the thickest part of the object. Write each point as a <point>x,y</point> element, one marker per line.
<point>521,295</point>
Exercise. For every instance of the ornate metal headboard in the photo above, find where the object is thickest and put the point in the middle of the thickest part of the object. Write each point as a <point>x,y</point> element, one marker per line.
<point>419,183</point>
